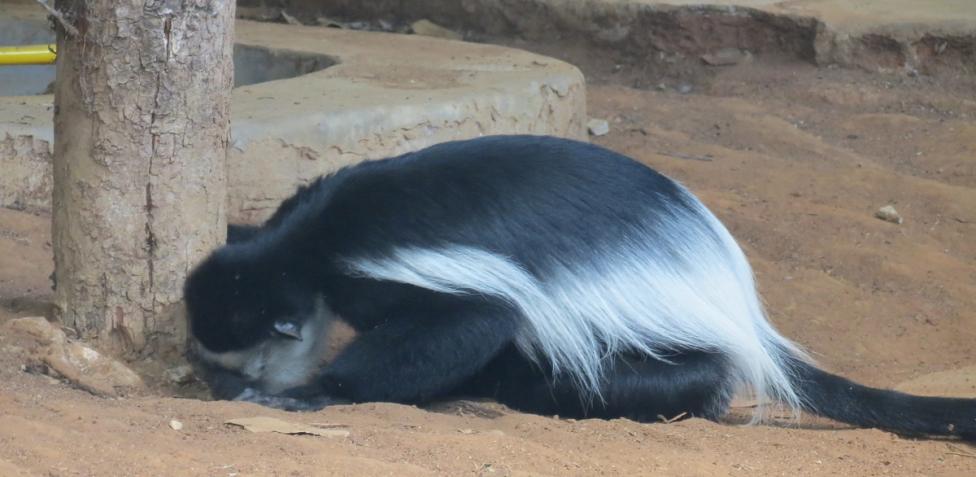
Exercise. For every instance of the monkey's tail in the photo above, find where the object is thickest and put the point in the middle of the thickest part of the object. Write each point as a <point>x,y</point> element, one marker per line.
<point>843,400</point>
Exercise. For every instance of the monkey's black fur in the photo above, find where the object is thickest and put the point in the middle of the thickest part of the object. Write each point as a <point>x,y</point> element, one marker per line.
<point>519,197</point>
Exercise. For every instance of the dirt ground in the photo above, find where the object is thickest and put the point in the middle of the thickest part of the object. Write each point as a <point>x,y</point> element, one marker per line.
<point>795,160</point>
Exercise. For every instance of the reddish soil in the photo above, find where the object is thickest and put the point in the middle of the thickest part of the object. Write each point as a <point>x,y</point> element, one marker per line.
<point>795,159</point>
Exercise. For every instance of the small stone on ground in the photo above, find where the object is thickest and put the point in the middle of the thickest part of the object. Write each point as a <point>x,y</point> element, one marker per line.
<point>888,214</point>
<point>598,127</point>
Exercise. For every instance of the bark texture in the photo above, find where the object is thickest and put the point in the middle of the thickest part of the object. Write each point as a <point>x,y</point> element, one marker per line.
<point>141,128</point>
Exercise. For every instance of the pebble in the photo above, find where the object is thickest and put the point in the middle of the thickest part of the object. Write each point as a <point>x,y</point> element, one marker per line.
<point>888,214</point>
<point>175,425</point>
<point>598,127</point>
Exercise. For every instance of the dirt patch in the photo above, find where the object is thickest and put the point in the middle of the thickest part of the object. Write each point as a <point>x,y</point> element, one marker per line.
<point>637,28</point>
<point>878,35</point>
<point>795,159</point>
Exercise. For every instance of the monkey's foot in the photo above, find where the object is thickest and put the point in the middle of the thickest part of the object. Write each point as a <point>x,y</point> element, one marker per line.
<point>285,403</point>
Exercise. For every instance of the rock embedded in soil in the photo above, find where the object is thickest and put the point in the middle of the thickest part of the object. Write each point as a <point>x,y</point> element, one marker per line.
<point>727,57</point>
<point>179,374</point>
<point>888,214</point>
<point>75,362</point>
<point>91,370</point>
<point>39,328</point>
<point>429,28</point>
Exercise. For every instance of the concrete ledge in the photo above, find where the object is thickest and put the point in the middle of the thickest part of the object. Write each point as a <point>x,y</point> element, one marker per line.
<point>386,94</point>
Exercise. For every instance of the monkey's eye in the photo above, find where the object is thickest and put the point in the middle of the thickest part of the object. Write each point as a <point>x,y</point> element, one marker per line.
<point>288,329</point>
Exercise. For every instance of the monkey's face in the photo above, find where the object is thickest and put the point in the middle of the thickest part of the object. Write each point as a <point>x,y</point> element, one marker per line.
<point>281,360</point>
<point>252,328</point>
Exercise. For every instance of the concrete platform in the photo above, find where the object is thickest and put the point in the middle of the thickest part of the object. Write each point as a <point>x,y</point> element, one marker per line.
<point>385,94</point>
<point>388,94</point>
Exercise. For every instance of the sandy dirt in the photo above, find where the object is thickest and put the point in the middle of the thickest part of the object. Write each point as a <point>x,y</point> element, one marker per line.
<point>796,160</point>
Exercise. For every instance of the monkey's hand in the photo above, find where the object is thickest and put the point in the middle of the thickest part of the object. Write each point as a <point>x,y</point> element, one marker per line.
<point>286,403</point>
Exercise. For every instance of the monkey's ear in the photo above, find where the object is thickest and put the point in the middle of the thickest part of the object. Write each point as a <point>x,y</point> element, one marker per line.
<point>288,329</point>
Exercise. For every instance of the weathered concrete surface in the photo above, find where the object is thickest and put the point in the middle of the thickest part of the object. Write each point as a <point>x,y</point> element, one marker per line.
<point>26,139</point>
<point>874,34</point>
<point>387,94</point>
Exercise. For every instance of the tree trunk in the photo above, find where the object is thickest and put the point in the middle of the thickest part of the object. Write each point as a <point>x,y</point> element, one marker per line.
<point>141,126</point>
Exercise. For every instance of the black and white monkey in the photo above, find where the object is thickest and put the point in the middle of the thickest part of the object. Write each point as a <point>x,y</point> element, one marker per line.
<point>554,276</point>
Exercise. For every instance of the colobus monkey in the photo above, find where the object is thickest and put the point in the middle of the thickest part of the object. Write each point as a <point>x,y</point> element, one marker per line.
<point>552,275</point>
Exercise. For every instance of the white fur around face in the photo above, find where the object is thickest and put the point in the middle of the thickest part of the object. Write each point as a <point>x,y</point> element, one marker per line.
<point>689,288</point>
<point>279,363</point>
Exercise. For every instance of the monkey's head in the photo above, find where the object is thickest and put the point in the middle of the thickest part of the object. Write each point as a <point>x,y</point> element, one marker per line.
<point>252,324</point>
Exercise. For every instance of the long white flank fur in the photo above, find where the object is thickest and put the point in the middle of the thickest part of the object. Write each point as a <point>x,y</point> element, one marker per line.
<point>695,291</point>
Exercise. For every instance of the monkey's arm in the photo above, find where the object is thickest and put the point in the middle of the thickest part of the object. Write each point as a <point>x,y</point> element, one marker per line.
<point>307,403</point>
<point>411,360</point>
<point>223,384</point>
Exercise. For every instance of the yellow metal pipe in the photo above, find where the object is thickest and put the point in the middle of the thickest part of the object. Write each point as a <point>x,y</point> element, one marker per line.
<point>27,55</point>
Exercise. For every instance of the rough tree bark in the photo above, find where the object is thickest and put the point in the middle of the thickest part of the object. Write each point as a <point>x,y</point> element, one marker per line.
<point>141,126</point>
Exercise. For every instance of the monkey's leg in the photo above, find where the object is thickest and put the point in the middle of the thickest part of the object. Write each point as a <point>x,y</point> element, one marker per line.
<point>695,383</point>
<point>308,403</point>
<point>417,357</point>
